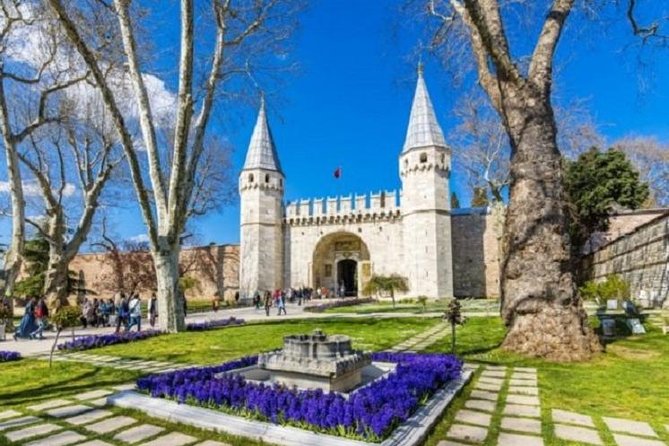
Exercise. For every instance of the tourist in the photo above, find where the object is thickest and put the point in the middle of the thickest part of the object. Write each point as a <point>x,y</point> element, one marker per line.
<point>104,310</point>
<point>215,302</point>
<point>41,315</point>
<point>27,325</point>
<point>342,289</point>
<point>183,299</point>
<point>256,300</point>
<point>95,320</point>
<point>281,303</point>
<point>153,309</point>
<point>122,311</point>
<point>268,302</point>
<point>86,312</point>
<point>135,313</point>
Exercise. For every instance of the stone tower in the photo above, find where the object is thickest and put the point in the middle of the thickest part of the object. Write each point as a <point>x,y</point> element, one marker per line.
<point>261,185</point>
<point>425,164</point>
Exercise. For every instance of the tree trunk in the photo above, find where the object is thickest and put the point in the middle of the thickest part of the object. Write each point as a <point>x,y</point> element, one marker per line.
<point>56,278</point>
<point>540,304</point>
<point>171,317</point>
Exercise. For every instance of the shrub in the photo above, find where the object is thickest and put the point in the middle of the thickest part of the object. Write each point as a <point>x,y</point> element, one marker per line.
<point>614,287</point>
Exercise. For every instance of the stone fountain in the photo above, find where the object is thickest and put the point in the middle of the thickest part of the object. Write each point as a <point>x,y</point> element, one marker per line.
<point>316,361</point>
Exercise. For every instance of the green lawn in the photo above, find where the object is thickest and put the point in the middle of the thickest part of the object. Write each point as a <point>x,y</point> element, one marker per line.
<point>412,306</point>
<point>216,346</point>
<point>628,381</point>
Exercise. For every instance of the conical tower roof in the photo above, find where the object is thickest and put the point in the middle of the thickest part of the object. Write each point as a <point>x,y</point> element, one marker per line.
<point>424,130</point>
<point>262,151</point>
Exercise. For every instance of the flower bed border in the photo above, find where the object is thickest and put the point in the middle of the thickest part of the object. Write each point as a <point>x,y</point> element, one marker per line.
<point>214,323</point>
<point>412,432</point>
<point>371,413</point>
<point>89,342</point>
<point>321,308</point>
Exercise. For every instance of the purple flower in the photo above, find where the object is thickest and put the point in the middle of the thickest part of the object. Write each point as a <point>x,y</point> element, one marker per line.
<point>370,413</point>
<point>95,341</point>
<point>9,356</point>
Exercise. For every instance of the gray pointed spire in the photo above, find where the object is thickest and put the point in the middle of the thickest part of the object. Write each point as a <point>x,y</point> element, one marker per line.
<point>424,130</point>
<point>262,152</point>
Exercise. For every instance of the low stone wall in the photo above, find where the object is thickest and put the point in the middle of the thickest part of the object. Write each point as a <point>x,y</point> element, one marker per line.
<point>640,257</point>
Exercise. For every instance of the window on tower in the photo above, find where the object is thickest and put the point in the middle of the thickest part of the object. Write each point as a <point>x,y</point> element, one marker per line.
<point>267,178</point>
<point>250,178</point>
<point>423,157</point>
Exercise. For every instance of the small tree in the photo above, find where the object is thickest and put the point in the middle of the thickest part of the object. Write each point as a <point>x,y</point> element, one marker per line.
<point>386,284</point>
<point>455,201</point>
<point>423,301</point>
<point>454,317</point>
<point>62,318</point>
<point>480,198</point>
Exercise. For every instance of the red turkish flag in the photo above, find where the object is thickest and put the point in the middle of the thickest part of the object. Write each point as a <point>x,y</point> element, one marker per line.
<point>337,172</point>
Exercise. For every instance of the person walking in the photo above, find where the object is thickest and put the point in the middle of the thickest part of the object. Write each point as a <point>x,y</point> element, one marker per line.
<point>41,315</point>
<point>135,313</point>
<point>256,300</point>
<point>122,311</point>
<point>153,310</point>
<point>281,301</point>
<point>27,325</point>
<point>268,302</point>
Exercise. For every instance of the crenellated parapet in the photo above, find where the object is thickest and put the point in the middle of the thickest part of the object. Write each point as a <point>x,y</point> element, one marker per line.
<point>382,205</point>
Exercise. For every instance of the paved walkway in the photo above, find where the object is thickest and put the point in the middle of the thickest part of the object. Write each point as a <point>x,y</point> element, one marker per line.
<point>119,363</point>
<point>513,394</point>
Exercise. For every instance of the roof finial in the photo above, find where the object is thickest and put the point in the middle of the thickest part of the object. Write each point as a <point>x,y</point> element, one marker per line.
<point>421,68</point>
<point>262,99</point>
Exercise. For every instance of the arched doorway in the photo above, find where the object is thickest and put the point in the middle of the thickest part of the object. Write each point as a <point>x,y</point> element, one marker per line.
<point>340,258</point>
<point>347,277</point>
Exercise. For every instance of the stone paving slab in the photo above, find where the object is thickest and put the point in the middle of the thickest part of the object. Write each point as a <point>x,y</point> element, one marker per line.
<point>444,443</point>
<point>111,424</point>
<point>17,422</point>
<point>523,399</point>
<point>629,426</point>
<point>490,387</point>
<point>62,439</point>
<point>68,411</point>
<point>95,443</point>
<point>579,434</point>
<point>472,434</point>
<point>484,395</point>
<point>626,440</point>
<point>527,425</point>
<point>564,416</point>
<point>49,405</point>
<point>122,387</point>
<point>534,391</point>
<point>93,394</point>
<point>89,417</point>
<point>32,431</point>
<point>473,417</point>
<point>496,367</point>
<point>100,402</point>
<point>493,373</point>
<point>138,433</point>
<point>486,380</point>
<point>9,414</point>
<point>525,369</point>
<point>172,439</point>
<point>522,411</point>
<point>523,382</point>
<point>212,443</point>
<point>486,406</point>
<point>506,439</point>
<point>528,379</point>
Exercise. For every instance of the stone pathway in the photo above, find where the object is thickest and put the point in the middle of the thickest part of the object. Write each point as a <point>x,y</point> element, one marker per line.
<point>119,363</point>
<point>423,340</point>
<point>77,420</point>
<point>520,422</point>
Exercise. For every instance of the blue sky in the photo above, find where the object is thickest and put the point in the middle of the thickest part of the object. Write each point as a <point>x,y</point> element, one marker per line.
<point>349,104</point>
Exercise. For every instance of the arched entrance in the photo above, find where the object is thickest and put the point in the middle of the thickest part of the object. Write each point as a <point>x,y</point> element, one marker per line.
<point>340,259</point>
<point>347,277</point>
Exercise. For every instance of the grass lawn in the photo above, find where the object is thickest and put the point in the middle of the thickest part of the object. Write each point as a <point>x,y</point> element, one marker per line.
<point>628,381</point>
<point>411,306</point>
<point>216,346</point>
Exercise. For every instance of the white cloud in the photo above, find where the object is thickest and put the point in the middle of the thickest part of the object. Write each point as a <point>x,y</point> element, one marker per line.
<point>32,189</point>
<point>139,238</point>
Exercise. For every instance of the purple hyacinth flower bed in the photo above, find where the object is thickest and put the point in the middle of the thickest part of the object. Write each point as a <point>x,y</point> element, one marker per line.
<point>218,323</point>
<point>9,356</point>
<point>370,413</point>
<point>95,341</point>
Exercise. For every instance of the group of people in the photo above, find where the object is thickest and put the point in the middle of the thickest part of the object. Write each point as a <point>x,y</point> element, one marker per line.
<point>34,320</point>
<point>124,311</point>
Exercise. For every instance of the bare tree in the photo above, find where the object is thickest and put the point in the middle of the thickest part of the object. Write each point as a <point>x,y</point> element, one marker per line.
<point>28,85</point>
<point>241,28</point>
<point>651,158</point>
<point>80,153</point>
<point>540,303</point>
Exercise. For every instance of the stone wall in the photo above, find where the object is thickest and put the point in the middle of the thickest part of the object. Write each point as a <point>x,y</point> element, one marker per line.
<point>216,267</point>
<point>641,257</point>
<point>476,256</point>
